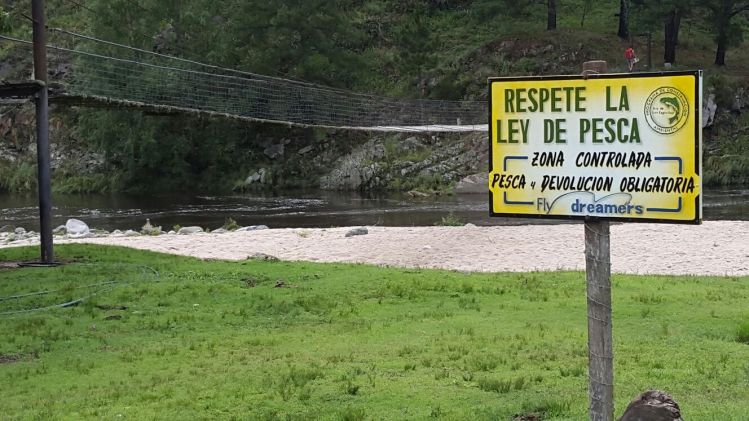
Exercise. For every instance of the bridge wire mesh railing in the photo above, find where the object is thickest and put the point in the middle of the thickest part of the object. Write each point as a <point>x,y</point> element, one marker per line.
<point>142,78</point>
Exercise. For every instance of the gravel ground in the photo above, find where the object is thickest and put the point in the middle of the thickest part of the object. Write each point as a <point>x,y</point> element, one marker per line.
<point>713,248</point>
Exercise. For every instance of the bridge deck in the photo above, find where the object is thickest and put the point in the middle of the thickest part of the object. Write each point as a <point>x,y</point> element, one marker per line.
<point>92,101</point>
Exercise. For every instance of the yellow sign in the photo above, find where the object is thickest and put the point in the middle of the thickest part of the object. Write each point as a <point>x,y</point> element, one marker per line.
<point>614,146</point>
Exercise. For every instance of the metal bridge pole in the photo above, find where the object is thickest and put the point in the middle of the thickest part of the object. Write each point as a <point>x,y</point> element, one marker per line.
<point>42,131</point>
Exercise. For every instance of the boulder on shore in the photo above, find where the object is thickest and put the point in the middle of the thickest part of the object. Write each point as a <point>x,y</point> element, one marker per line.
<point>189,230</point>
<point>357,231</point>
<point>252,228</point>
<point>652,405</point>
<point>76,227</point>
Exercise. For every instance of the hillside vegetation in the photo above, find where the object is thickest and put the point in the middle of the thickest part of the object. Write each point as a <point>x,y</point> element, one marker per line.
<point>436,49</point>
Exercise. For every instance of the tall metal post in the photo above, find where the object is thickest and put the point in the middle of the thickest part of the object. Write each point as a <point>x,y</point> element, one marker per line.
<point>42,131</point>
<point>600,330</point>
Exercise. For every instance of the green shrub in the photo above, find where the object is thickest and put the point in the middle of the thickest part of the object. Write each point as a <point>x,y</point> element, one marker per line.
<point>450,221</point>
<point>230,224</point>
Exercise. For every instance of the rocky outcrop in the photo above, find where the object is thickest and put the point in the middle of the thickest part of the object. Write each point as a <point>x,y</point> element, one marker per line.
<point>356,170</point>
<point>474,183</point>
<point>403,162</point>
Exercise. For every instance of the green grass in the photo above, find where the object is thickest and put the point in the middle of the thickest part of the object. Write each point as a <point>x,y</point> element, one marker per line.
<point>219,340</point>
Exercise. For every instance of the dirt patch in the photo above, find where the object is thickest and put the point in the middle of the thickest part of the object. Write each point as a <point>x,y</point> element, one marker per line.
<point>253,281</point>
<point>10,358</point>
<point>30,264</point>
<point>9,265</point>
<point>110,307</point>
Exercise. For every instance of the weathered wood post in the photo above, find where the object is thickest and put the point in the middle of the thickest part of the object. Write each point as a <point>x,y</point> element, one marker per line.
<point>600,333</point>
<point>42,132</point>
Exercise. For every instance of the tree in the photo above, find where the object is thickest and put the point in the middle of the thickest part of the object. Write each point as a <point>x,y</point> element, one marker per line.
<point>551,15</point>
<point>587,5</point>
<point>623,32</point>
<point>4,20</point>
<point>672,22</point>
<point>417,46</point>
<point>668,13</point>
<point>728,32</point>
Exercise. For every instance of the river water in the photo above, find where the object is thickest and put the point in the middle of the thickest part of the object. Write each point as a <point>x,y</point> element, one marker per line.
<point>293,209</point>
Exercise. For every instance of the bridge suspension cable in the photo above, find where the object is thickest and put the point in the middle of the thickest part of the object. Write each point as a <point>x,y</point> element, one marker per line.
<point>166,83</point>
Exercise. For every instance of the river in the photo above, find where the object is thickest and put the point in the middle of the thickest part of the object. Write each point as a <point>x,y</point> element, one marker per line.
<point>293,209</point>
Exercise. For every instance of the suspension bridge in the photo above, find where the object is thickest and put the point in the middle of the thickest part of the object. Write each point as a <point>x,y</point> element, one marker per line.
<point>99,73</point>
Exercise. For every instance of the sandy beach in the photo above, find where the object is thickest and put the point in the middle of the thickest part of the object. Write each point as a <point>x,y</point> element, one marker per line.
<point>713,248</point>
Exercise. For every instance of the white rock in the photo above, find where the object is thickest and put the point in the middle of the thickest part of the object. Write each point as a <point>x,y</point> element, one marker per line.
<point>709,107</point>
<point>357,231</point>
<point>252,178</point>
<point>172,232</point>
<point>76,227</point>
<point>252,228</point>
<point>60,230</point>
<point>88,234</point>
<point>219,231</point>
<point>20,231</point>
<point>189,230</point>
<point>305,149</point>
<point>131,233</point>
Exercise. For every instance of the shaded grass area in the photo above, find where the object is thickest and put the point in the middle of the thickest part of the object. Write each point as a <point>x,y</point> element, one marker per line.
<point>173,337</point>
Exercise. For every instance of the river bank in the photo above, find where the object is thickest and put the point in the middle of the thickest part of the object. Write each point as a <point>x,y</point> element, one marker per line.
<point>713,248</point>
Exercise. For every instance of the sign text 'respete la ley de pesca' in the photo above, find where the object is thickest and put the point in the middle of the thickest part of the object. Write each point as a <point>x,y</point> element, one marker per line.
<point>614,146</point>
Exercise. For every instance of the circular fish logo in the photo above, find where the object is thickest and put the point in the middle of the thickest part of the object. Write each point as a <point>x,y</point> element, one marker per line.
<point>666,110</point>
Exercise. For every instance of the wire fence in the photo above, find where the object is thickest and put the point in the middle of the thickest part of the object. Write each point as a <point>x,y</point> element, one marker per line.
<point>142,78</point>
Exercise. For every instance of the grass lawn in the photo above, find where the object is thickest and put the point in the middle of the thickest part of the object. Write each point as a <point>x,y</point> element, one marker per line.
<point>170,337</point>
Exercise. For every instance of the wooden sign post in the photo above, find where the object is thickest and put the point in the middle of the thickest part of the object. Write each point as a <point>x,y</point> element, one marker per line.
<point>600,330</point>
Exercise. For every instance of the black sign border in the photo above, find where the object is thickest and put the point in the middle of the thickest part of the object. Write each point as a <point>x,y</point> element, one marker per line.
<point>697,74</point>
